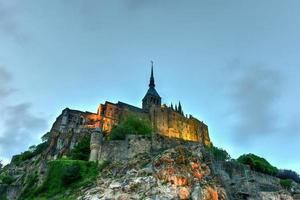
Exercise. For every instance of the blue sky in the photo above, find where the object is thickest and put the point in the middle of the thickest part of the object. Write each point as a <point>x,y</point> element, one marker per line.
<point>233,64</point>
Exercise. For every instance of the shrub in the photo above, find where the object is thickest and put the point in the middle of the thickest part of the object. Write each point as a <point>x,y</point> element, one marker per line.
<point>289,174</point>
<point>258,164</point>
<point>26,155</point>
<point>286,184</point>
<point>66,175</point>
<point>219,154</point>
<point>30,185</point>
<point>71,174</point>
<point>130,125</point>
<point>81,150</point>
<point>7,179</point>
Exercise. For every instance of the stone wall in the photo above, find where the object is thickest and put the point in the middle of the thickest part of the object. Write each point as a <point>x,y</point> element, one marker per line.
<point>120,150</point>
<point>173,124</point>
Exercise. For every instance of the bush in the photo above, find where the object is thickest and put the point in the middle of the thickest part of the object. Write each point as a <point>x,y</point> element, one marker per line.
<point>286,184</point>
<point>30,185</point>
<point>26,155</point>
<point>7,179</point>
<point>258,164</point>
<point>219,154</point>
<point>289,174</point>
<point>130,125</point>
<point>71,174</point>
<point>81,151</point>
<point>66,175</point>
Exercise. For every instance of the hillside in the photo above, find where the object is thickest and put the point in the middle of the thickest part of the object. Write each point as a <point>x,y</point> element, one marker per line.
<point>182,172</point>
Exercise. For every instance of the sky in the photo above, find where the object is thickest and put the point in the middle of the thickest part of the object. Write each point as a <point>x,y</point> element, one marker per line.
<point>233,64</point>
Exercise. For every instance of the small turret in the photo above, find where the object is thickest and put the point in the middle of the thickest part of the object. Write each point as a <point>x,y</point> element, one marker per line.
<point>95,144</point>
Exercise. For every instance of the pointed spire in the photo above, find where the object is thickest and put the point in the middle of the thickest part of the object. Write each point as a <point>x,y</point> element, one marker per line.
<point>179,108</point>
<point>152,83</point>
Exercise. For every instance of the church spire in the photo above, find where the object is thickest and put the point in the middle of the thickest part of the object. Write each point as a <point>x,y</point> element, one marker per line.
<point>152,83</point>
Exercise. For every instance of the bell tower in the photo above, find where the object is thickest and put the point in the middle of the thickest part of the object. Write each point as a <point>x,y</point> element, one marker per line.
<point>152,97</point>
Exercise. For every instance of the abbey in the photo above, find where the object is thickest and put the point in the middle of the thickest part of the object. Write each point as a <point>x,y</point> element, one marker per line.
<point>167,122</point>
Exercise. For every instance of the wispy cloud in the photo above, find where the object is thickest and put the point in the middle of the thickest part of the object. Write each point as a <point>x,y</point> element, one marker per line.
<point>254,91</point>
<point>19,127</point>
<point>9,21</point>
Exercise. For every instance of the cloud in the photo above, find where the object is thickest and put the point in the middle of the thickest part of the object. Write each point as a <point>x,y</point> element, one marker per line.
<point>19,128</point>
<point>9,22</point>
<point>254,91</point>
<point>5,78</point>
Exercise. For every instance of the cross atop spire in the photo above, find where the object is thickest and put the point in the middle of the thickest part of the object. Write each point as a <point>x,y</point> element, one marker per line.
<point>152,82</point>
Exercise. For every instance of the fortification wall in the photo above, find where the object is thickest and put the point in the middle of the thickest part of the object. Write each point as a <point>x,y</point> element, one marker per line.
<point>120,150</point>
<point>175,125</point>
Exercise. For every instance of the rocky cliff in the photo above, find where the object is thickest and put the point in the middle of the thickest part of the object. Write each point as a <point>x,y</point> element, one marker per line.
<point>187,171</point>
<point>184,172</point>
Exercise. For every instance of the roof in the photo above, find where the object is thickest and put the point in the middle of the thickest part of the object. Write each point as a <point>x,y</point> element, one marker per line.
<point>130,107</point>
<point>152,91</point>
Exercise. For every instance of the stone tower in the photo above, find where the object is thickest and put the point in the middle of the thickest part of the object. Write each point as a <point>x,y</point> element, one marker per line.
<point>152,97</point>
<point>95,145</point>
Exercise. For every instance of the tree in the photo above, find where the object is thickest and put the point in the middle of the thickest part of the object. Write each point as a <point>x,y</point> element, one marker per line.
<point>130,125</point>
<point>46,136</point>
<point>258,164</point>
<point>220,154</point>
<point>288,174</point>
<point>81,150</point>
<point>1,165</point>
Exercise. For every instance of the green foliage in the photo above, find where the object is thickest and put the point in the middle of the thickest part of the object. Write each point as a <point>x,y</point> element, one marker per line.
<point>7,179</point>
<point>130,125</point>
<point>71,174</point>
<point>219,154</point>
<point>30,185</point>
<point>81,151</point>
<point>258,164</point>
<point>64,175</point>
<point>26,155</point>
<point>46,136</point>
<point>286,184</point>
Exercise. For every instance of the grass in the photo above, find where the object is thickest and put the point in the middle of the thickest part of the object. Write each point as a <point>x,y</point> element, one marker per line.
<point>286,183</point>
<point>64,176</point>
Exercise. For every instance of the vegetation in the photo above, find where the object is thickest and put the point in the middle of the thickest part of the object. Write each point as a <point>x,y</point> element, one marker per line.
<point>46,136</point>
<point>30,186</point>
<point>130,125</point>
<point>7,179</point>
<point>63,175</point>
<point>219,154</point>
<point>286,183</point>
<point>34,151</point>
<point>258,164</point>
<point>81,151</point>
<point>289,174</point>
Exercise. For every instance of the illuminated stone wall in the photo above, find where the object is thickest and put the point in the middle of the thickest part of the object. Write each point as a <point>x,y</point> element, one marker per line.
<point>165,121</point>
<point>175,125</point>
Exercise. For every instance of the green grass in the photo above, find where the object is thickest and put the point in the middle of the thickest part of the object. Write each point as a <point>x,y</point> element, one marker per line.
<point>63,176</point>
<point>286,183</point>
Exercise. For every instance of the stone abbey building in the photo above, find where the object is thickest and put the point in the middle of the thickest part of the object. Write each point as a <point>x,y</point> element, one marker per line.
<point>167,121</point>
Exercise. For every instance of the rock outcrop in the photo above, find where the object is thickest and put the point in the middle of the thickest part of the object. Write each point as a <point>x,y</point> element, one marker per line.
<point>183,172</point>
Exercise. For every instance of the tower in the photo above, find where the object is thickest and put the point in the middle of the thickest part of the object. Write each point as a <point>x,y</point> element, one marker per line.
<point>95,143</point>
<point>152,97</point>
